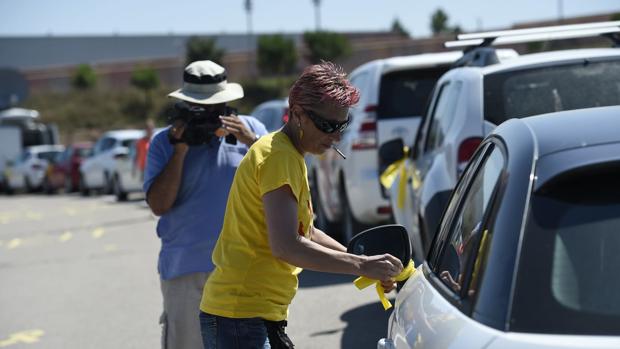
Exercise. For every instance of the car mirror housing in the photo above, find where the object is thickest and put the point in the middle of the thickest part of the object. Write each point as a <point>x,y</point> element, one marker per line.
<point>390,152</point>
<point>391,238</point>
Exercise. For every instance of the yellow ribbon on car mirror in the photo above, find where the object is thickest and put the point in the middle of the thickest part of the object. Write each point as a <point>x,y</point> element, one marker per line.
<point>388,177</point>
<point>362,282</point>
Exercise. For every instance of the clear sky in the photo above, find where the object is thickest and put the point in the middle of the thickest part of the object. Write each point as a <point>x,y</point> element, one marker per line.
<point>124,17</point>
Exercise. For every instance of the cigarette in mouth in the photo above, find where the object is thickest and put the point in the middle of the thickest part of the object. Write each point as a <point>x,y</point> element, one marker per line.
<point>338,151</point>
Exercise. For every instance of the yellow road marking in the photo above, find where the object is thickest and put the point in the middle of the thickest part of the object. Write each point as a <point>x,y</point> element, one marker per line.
<point>70,211</point>
<point>35,216</point>
<point>97,233</point>
<point>30,336</point>
<point>110,248</point>
<point>14,243</point>
<point>66,236</point>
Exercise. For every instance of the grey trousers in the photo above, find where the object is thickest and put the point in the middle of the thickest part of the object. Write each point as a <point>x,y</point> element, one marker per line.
<point>179,320</point>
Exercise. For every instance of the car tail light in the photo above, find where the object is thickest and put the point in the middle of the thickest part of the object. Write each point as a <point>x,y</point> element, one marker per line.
<point>285,116</point>
<point>384,209</point>
<point>466,151</point>
<point>367,138</point>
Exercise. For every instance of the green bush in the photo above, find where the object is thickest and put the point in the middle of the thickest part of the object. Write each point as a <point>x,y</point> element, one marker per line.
<point>84,77</point>
<point>327,46</point>
<point>277,55</point>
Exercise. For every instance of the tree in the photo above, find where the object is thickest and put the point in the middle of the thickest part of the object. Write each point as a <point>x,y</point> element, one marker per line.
<point>84,78</point>
<point>145,79</point>
<point>439,21</point>
<point>277,55</point>
<point>200,49</point>
<point>398,28</point>
<point>327,46</point>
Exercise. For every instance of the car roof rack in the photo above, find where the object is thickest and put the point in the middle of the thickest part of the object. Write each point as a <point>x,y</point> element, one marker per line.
<point>477,50</point>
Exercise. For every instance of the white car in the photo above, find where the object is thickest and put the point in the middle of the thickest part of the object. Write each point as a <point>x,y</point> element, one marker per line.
<point>127,177</point>
<point>27,171</point>
<point>271,113</point>
<point>527,247</point>
<point>469,102</point>
<point>394,93</point>
<point>96,171</point>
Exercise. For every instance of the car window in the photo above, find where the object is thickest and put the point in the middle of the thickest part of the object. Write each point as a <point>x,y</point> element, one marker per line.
<point>361,81</point>
<point>526,92</point>
<point>466,226</point>
<point>271,117</point>
<point>47,155</point>
<point>127,142</point>
<point>404,93</point>
<point>443,115</point>
<point>570,256</point>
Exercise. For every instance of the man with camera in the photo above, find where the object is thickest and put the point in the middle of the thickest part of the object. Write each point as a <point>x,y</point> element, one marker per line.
<point>189,171</point>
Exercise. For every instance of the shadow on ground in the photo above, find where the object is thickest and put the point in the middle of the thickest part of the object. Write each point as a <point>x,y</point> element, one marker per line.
<point>365,326</point>
<point>309,278</point>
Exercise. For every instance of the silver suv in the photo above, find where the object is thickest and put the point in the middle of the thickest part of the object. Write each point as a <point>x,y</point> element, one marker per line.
<point>469,102</point>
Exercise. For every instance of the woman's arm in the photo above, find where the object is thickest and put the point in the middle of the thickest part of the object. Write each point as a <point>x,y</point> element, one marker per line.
<point>281,215</point>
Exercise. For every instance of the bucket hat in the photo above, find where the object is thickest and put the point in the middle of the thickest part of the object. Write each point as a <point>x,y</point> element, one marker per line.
<point>204,82</point>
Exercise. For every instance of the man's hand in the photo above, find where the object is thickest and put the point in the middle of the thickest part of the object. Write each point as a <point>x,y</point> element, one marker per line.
<point>234,125</point>
<point>176,132</point>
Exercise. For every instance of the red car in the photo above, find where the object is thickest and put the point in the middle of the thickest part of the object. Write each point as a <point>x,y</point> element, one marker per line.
<point>64,172</point>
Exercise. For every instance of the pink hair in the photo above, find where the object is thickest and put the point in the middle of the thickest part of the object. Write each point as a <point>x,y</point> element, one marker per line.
<point>323,82</point>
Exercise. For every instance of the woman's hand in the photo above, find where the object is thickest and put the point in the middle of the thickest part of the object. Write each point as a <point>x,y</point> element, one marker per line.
<point>381,267</point>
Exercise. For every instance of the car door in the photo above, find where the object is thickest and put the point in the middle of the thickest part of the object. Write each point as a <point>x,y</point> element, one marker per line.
<point>432,184</point>
<point>433,308</point>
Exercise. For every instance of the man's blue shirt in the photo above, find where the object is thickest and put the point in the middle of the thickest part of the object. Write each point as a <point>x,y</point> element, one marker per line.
<point>189,230</point>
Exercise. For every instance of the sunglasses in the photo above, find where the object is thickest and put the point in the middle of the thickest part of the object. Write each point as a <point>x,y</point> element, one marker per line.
<point>327,126</point>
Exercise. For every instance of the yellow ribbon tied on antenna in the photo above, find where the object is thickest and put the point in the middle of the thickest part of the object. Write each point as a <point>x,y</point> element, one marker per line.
<point>362,282</point>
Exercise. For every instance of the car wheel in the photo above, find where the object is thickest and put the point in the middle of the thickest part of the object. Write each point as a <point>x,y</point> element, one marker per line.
<point>68,184</point>
<point>108,187</point>
<point>84,190</point>
<point>118,189</point>
<point>27,185</point>
<point>350,226</point>
<point>320,219</point>
<point>47,186</point>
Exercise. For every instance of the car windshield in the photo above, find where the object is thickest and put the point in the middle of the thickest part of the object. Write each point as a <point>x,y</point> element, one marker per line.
<point>404,93</point>
<point>567,281</point>
<point>48,155</point>
<point>526,92</point>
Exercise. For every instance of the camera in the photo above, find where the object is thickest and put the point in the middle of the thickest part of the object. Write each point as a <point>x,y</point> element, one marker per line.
<point>201,123</point>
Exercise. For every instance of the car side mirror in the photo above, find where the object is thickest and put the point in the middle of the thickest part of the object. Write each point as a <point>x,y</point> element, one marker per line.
<point>121,152</point>
<point>391,238</point>
<point>390,152</point>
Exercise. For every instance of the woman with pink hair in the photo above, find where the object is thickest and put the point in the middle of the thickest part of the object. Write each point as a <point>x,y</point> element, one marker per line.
<point>268,235</point>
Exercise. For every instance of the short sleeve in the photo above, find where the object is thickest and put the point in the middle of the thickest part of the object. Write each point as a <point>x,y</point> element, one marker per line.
<point>158,156</point>
<point>280,169</point>
<point>256,126</point>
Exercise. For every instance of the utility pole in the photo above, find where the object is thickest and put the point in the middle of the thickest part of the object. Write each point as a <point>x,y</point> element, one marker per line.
<point>248,10</point>
<point>560,10</point>
<point>317,14</point>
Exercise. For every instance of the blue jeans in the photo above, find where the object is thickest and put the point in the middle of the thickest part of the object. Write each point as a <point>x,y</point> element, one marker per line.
<point>226,333</point>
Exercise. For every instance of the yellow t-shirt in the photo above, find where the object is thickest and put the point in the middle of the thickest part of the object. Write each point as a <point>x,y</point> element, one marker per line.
<point>248,281</point>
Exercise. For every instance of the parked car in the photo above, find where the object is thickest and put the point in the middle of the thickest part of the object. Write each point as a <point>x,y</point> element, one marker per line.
<point>64,171</point>
<point>394,93</point>
<point>27,171</point>
<point>470,101</point>
<point>272,113</point>
<point>96,171</point>
<point>128,177</point>
<point>525,251</point>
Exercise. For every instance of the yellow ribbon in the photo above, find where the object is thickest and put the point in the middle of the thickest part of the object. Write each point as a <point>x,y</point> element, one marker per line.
<point>388,177</point>
<point>362,282</point>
